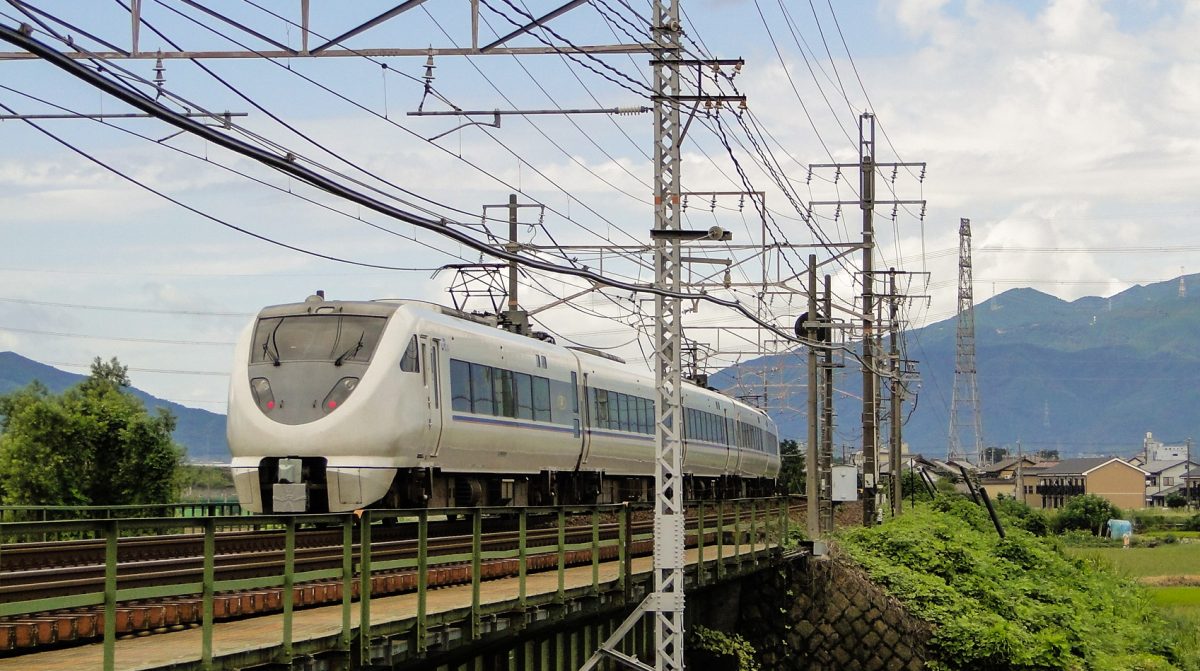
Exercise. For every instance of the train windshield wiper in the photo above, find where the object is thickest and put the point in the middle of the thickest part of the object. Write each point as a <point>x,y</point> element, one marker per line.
<point>349,354</point>
<point>268,341</point>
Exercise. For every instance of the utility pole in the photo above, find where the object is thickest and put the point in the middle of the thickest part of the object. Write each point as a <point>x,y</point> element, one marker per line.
<point>518,320</point>
<point>867,168</point>
<point>812,482</point>
<point>870,411</point>
<point>1020,471</point>
<point>897,397</point>
<point>1187,485</point>
<point>826,458</point>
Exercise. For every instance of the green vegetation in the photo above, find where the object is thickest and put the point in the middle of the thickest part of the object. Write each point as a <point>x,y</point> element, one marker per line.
<point>791,467</point>
<point>1174,559</point>
<point>1177,598</point>
<point>94,444</point>
<point>1019,603</point>
<point>204,483</point>
<point>707,646</point>
<point>1086,513</point>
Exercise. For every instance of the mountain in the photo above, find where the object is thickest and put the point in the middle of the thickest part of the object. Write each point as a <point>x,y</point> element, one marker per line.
<point>1089,376</point>
<point>200,432</point>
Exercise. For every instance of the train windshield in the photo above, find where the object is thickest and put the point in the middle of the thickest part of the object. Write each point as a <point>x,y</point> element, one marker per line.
<point>336,338</point>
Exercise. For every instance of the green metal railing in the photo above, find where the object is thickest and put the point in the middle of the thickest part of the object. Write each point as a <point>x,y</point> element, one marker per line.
<point>157,510</point>
<point>742,521</point>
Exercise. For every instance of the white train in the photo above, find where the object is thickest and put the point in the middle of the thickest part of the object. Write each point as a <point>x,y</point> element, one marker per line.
<point>338,405</point>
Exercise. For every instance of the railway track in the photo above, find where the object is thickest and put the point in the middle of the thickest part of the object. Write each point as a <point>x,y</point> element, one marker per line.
<point>52,570</point>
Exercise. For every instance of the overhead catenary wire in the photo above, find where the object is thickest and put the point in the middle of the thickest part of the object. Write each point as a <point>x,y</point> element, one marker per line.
<point>283,164</point>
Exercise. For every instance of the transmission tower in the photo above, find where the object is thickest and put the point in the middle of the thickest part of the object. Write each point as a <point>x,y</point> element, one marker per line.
<point>966,387</point>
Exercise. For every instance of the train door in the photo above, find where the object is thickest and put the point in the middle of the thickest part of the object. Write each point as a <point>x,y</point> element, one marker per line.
<point>431,361</point>
<point>584,393</point>
<point>729,460</point>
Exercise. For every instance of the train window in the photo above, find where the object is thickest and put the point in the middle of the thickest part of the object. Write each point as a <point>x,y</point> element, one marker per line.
<point>502,393</point>
<point>639,412</point>
<point>628,420</point>
<point>541,399</point>
<point>617,415</point>
<point>408,362</point>
<point>574,392</point>
<point>481,389</point>
<point>523,384</point>
<point>316,338</point>
<point>601,408</point>
<point>424,375</point>
<point>460,385</point>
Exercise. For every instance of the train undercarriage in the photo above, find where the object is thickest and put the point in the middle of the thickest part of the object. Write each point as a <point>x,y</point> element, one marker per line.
<point>434,488</point>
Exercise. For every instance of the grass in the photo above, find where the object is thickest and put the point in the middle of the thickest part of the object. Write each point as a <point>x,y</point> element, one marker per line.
<point>1179,599</point>
<point>1177,534</point>
<point>1177,559</point>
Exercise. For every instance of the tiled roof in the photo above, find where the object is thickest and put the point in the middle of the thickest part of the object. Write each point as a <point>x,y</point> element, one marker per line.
<point>1079,466</point>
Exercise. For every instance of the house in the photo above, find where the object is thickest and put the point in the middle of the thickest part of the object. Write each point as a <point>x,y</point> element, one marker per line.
<point>1002,477</point>
<point>1113,478</point>
<point>1163,476</point>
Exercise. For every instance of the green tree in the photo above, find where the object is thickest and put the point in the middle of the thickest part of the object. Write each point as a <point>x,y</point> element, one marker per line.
<point>791,469</point>
<point>1087,512</point>
<point>1176,500</point>
<point>94,444</point>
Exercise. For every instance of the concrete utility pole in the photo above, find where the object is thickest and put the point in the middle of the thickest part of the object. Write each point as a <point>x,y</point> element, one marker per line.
<point>867,167</point>
<point>826,458</point>
<point>897,397</point>
<point>811,465</point>
<point>870,411</point>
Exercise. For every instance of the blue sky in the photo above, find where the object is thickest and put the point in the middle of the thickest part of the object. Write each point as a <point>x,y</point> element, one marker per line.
<point>1063,124</point>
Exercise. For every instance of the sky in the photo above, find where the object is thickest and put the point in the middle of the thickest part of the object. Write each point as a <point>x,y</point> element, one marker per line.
<point>1062,129</point>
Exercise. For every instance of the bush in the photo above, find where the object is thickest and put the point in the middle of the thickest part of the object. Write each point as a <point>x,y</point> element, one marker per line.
<point>711,648</point>
<point>1088,512</point>
<point>1193,523</point>
<point>1018,603</point>
<point>1016,513</point>
<point>1176,500</point>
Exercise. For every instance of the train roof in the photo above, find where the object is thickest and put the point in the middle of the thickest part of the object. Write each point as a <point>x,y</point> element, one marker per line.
<point>385,307</point>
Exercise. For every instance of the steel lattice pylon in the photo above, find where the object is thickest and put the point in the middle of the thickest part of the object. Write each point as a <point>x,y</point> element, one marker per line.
<point>966,387</point>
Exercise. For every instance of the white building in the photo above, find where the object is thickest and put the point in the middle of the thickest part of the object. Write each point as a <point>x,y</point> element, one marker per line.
<point>1155,450</point>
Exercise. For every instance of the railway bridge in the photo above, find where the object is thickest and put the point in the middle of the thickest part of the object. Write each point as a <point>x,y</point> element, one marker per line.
<point>529,588</point>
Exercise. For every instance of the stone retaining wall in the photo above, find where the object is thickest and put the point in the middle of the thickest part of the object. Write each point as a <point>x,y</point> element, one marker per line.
<point>825,614</point>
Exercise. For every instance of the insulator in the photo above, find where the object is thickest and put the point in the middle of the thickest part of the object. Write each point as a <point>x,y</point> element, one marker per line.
<point>837,213</point>
<point>837,174</point>
<point>742,105</point>
<point>737,69</point>
<point>728,279</point>
<point>713,205</point>
<point>808,178</point>
<point>159,78</point>
<point>683,205</point>
<point>429,67</point>
<point>627,111</point>
<point>741,203</point>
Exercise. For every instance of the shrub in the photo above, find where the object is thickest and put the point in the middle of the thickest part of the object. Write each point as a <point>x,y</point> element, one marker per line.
<point>1088,512</point>
<point>1018,603</point>
<point>1176,500</point>
<point>711,648</point>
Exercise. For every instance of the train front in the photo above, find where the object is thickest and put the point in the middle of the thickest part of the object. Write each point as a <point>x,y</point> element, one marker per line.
<point>310,425</point>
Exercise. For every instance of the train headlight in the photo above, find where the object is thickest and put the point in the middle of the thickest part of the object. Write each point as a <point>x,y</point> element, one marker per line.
<point>338,394</point>
<point>263,397</point>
